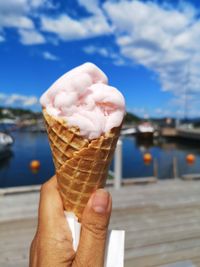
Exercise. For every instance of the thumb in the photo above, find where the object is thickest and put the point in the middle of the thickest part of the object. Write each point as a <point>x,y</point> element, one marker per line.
<point>95,220</point>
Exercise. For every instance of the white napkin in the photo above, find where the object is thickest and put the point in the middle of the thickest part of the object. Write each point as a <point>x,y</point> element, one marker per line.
<point>114,255</point>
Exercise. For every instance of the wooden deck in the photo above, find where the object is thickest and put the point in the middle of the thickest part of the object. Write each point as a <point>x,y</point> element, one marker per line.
<point>162,223</point>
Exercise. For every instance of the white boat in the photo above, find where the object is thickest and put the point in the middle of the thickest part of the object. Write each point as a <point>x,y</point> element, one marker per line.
<point>145,130</point>
<point>5,143</point>
<point>128,131</point>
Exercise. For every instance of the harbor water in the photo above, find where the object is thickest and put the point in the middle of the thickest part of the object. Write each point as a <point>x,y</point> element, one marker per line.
<point>15,167</point>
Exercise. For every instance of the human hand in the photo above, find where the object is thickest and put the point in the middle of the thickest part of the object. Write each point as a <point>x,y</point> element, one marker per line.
<point>52,244</point>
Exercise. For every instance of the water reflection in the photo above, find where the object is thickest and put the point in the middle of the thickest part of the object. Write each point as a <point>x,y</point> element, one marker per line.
<point>144,144</point>
<point>164,151</point>
<point>5,160</point>
<point>15,170</point>
<point>5,164</point>
<point>27,147</point>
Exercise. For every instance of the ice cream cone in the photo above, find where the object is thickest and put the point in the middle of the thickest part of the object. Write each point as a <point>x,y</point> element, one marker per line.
<point>81,164</point>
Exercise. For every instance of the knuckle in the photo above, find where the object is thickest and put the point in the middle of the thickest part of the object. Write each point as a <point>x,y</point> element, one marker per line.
<point>45,187</point>
<point>97,229</point>
<point>79,262</point>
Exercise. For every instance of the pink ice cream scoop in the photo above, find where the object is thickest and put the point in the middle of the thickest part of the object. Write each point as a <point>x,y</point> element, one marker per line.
<point>83,98</point>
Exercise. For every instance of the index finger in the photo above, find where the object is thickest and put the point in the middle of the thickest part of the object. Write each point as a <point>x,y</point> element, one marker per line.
<point>51,218</point>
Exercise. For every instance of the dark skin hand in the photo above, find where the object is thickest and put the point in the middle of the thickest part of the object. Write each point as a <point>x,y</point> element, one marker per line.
<point>52,244</point>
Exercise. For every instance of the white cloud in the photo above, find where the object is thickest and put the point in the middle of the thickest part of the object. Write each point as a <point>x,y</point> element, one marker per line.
<point>159,111</point>
<point>2,96</point>
<point>105,52</point>
<point>38,3</point>
<point>162,112</point>
<point>184,105</point>
<point>118,60</point>
<point>30,101</point>
<point>9,6</point>
<point>160,37</point>
<point>13,13</point>
<point>31,37</point>
<point>143,112</point>
<point>67,28</point>
<point>2,39</point>
<point>17,14</point>
<point>16,21</point>
<point>49,56</point>
<point>22,6</point>
<point>91,5</point>
<point>91,49</point>
<point>167,42</point>
<point>139,111</point>
<point>18,100</point>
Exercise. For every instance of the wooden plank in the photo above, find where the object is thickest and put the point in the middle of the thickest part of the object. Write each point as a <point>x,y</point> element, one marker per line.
<point>165,258</point>
<point>161,222</point>
<point>151,220</point>
<point>19,190</point>
<point>135,181</point>
<point>169,234</point>
<point>191,176</point>
<point>187,263</point>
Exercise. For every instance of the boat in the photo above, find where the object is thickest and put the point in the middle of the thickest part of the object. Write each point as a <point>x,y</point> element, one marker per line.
<point>129,131</point>
<point>6,141</point>
<point>145,130</point>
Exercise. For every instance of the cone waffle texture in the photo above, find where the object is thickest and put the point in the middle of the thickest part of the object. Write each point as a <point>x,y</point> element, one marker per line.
<point>81,164</point>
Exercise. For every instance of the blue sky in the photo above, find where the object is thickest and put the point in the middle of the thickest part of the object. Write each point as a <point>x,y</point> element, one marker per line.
<point>150,50</point>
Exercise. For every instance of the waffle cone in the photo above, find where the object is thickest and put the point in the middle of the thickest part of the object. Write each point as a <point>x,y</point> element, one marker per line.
<point>81,164</point>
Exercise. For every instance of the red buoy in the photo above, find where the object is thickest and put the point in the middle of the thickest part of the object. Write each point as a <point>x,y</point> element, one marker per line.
<point>35,165</point>
<point>190,158</point>
<point>147,158</point>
